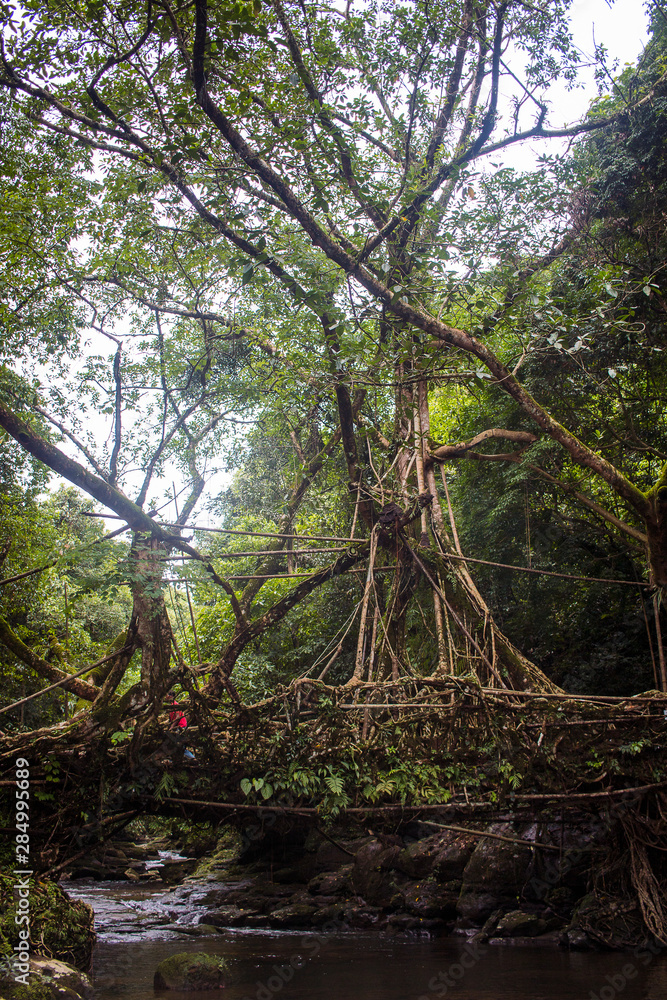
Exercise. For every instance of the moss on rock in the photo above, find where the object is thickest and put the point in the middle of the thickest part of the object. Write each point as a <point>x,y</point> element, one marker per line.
<point>60,927</point>
<point>192,972</point>
<point>48,979</point>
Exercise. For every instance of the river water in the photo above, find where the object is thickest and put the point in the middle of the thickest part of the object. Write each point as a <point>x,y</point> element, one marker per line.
<point>138,926</point>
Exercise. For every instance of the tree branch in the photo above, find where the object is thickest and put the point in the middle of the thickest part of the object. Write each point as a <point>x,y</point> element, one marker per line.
<point>78,687</point>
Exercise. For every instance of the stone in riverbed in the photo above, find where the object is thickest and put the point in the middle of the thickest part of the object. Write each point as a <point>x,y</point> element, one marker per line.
<point>173,872</point>
<point>495,875</point>
<point>518,923</point>
<point>332,883</point>
<point>194,930</point>
<point>451,860</point>
<point>361,916</point>
<point>429,898</point>
<point>298,915</point>
<point>333,914</point>
<point>185,971</point>
<point>227,916</point>
<point>418,859</point>
<point>49,979</point>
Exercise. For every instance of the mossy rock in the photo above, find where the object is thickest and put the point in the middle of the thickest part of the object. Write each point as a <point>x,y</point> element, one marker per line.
<point>60,928</point>
<point>185,971</point>
<point>48,979</point>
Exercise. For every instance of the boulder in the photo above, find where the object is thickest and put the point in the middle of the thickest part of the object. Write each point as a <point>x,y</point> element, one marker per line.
<point>372,877</point>
<point>192,972</point>
<point>63,927</point>
<point>358,914</point>
<point>294,875</point>
<point>332,916</point>
<point>173,872</point>
<point>332,883</point>
<point>296,915</point>
<point>227,916</point>
<point>451,860</point>
<point>428,899</point>
<point>476,907</point>
<point>518,923</point>
<point>494,876</point>
<point>48,979</point>
<point>418,859</point>
<point>330,857</point>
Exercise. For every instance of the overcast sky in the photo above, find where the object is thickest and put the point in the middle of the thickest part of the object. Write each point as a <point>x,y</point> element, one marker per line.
<point>619,26</point>
<point>622,28</point>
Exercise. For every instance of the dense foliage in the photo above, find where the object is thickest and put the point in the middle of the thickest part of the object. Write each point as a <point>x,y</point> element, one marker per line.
<point>273,248</point>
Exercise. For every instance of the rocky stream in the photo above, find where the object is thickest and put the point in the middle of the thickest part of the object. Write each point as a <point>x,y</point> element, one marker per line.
<point>506,912</point>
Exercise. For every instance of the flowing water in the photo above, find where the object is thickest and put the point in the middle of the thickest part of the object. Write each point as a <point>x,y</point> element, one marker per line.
<point>138,926</point>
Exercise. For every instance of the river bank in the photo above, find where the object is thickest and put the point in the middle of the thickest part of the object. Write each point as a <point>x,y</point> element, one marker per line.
<point>138,926</point>
<point>561,882</point>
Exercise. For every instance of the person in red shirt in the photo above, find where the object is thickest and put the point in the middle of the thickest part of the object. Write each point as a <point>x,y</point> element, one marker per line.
<point>177,717</point>
<point>178,721</point>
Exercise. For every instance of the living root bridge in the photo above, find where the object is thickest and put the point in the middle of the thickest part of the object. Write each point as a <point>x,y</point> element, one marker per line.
<point>438,751</point>
<point>431,743</point>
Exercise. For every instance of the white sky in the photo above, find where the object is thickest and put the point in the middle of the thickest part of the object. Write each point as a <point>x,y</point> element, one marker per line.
<point>622,28</point>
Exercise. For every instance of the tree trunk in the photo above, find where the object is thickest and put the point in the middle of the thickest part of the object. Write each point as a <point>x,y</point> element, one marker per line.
<point>153,628</point>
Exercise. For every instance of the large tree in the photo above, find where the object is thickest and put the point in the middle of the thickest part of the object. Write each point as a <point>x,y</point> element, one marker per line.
<point>298,197</point>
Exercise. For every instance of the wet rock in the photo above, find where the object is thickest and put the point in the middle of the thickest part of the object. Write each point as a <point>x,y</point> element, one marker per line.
<point>430,899</point>
<point>476,907</point>
<point>63,926</point>
<point>451,860</point>
<point>173,872</point>
<point>257,920</point>
<point>332,883</point>
<point>418,859</point>
<point>217,895</point>
<point>264,890</point>
<point>378,888</point>
<point>587,914</point>
<point>196,930</point>
<point>372,877</point>
<point>227,916</point>
<point>192,972</point>
<point>497,863</point>
<point>48,979</point>
<point>376,855</point>
<point>333,914</point>
<point>294,874</point>
<point>360,916</point>
<point>494,876</point>
<point>330,857</point>
<point>518,923</point>
<point>297,915</point>
<point>576,939</point>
